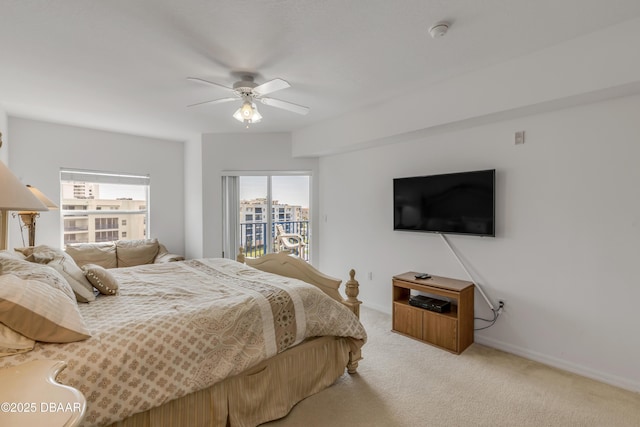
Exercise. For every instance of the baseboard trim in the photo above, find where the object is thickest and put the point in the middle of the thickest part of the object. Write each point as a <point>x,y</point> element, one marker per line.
<point>381,309</point>
<point>613,380</point>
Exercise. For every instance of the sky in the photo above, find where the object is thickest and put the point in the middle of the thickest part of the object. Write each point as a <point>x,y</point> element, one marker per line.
<point>293,190</point>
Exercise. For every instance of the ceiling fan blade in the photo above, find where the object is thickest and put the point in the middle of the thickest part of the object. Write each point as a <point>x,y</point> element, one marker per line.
<point>289,106</point>
<point>215,101</point>
<point>207,82</point>
<point>270,86</point>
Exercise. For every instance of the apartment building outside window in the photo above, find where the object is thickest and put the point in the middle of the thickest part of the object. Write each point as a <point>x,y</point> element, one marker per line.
<point>103,206</point>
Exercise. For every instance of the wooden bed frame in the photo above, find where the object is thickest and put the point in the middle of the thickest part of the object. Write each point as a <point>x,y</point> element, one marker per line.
<point>242,400</point>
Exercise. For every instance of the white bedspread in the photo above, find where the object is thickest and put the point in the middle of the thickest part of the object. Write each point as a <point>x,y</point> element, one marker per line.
<point>179,327</point>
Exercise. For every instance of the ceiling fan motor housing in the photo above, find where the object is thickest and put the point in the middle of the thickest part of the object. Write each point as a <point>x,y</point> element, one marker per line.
<point>245,86</point>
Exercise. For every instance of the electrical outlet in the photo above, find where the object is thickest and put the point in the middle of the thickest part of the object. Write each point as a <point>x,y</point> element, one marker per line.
<point>501,304</point>
<point>519,137</point>
<point>370,275</point>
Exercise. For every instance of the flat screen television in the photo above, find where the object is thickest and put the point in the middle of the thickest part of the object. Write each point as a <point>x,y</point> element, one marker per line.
<point>453,203</point>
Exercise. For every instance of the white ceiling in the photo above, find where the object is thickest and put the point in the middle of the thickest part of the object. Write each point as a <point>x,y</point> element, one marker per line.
<point>122,65</point>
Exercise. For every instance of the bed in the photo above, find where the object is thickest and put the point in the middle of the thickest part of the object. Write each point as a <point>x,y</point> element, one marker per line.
<point>209,342</point>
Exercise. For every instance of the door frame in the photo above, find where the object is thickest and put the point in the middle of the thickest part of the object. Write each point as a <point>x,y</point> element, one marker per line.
<point>230,216</point>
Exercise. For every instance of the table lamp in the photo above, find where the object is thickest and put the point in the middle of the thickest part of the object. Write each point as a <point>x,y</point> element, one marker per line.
<point>29,218</point>
<point>14,196</point>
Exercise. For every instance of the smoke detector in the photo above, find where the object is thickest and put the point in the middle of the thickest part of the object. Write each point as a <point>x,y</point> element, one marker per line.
<point>439,29</point>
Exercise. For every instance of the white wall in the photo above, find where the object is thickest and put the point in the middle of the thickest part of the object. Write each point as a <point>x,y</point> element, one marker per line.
<point>40,149</point>
<point>568,227</point>
<point>247,152</point>
<point>4,150</point>
<point>194,234</point>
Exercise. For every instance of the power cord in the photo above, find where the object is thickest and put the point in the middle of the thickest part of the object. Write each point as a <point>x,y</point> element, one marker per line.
<point>496,314</point>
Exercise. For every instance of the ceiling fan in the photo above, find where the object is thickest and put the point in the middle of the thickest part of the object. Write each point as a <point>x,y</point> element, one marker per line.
<point>249,92</point>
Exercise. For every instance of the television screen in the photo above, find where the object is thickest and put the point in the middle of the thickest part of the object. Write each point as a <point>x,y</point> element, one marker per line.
<point>455,203</point>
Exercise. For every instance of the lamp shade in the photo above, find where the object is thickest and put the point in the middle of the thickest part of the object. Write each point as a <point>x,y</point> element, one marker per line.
<point>248,113</point>
<point>256,114</point>
<point>14,195</point>
<point>44,199</point>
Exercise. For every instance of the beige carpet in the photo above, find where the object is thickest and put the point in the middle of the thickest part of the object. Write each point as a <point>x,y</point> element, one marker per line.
<point>402,382</point>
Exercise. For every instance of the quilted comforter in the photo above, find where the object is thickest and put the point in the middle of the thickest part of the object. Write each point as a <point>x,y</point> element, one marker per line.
<point>180,327</point>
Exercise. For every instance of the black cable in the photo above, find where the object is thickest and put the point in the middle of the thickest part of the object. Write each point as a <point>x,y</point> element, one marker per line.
<point>493,321</point>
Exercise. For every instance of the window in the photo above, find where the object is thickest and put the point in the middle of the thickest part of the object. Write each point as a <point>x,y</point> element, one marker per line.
<point>101,206</point>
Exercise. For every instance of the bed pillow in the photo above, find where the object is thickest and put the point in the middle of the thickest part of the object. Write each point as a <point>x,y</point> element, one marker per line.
<point>101,279</point>
<point>40,312</point>
<point>30,270</point>
<point>60,261</point>
<point>12,342</point>
<point>102,254</point>
<point>6,254</point>
<point>136,252</point>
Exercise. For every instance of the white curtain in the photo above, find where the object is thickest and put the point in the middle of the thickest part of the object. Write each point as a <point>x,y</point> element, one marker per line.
<point>230,216</point>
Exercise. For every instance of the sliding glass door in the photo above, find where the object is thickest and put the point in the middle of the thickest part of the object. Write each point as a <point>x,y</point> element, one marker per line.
<point>267,213</point>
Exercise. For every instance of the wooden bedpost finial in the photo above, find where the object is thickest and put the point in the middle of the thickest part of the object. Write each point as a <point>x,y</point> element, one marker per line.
<point>240,257</point>
<point>352,289</point>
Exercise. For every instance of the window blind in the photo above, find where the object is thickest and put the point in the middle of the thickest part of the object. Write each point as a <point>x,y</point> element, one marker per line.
<point>103,177</point>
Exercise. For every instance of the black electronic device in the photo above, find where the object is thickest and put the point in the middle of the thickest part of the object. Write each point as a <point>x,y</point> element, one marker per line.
<point>423,276</point>
<point>431,304</point>
<point>455,203</point>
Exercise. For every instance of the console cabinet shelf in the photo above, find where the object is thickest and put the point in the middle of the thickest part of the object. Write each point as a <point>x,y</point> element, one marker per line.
<point>452,331</point>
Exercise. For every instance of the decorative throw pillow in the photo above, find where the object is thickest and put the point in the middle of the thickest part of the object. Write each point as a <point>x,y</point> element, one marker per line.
<point>136,252</point>
<point>66,266</point>
<point>101,279</point>
<point>12,342</point>
<point>165,256</point>
<point>25,253</point>
<point>40,312</point>
<point>30,270</point>
<point>102,254</point>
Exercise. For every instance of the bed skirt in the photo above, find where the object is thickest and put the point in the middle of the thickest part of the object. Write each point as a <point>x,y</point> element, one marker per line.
<point>264,393</point>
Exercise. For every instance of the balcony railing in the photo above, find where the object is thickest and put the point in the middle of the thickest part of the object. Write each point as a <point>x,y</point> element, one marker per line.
<point>80,228</point>
<point>253,236</point>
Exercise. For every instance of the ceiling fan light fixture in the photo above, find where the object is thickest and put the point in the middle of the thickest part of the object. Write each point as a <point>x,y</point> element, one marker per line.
<point>248,113</point>
<point>256,114</point>
<point>238,115</point>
